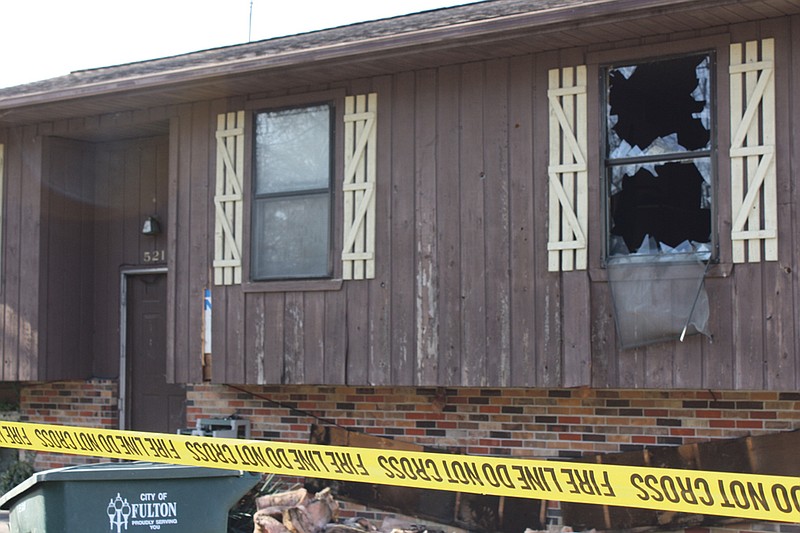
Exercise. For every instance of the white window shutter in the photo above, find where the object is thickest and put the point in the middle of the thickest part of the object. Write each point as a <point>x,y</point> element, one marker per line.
<point>360,159</point>
<point>228,199</point>
<point>567,170</point>
<point>753,176</point>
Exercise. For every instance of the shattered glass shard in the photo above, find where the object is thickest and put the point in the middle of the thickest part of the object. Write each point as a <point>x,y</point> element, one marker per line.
<point>666,205</point>
<point>659,99</point>
<point>658,145</point>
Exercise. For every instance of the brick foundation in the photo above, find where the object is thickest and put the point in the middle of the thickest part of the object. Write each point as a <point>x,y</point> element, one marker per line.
<point>560,423</point>
<point>90,403</point>
<point>557,423</point>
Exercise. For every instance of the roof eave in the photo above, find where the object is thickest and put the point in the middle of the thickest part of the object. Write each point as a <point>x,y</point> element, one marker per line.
<point>467,31</point>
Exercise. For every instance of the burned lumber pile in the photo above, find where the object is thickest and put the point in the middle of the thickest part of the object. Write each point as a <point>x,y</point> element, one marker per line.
<point>296,511</point>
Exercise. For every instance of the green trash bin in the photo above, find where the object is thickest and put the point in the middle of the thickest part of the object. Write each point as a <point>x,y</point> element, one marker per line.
<point>131,497</point>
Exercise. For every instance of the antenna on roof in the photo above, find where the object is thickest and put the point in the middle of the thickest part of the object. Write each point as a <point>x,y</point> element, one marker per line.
<point>250,24</point>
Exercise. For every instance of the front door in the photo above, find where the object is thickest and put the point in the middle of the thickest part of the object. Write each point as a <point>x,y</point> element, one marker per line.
<point>152,403</point>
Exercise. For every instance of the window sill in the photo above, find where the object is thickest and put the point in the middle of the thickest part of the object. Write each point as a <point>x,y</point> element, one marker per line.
<point>299,285</point>
<point>716,270</point>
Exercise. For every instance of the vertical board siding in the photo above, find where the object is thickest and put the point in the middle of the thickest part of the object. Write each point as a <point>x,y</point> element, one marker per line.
<point>426,276</point>
<point>50,211</point>
<point>462,295</point>
<point>380,288</point>
<point>576,349</point>
<point>472,216</point>
<point>792,115</point>
<point>184,328</point>
<point>448,227</point>
<point>497,228</point>
<point>522,249</point>
<point>30,297</point>
<point>781,328</point>
<point>603,337</point>
<point>255,341</point>
<point>130,226</point>
<point>72,215</point>
<point>129,182</point>
<point>356,327</point>
<point>12,356</point>
<point>106,281</point>
<point>200,222</point>
<point>2,225</point>
<point>274,360</point>
<point>718,357</point>
<point>314,338</point>
<point>334,367</point>
<point>221,319</point>
<point>293,345</point>
<point>402,255</point>
<point>547,291</point>
<point>748,333</point>
<point>356,367</point>
<point>3,254</point>
<point>687,369</point>
<point>67,245</point>
<point>173,159</point>
<point>568,216</point>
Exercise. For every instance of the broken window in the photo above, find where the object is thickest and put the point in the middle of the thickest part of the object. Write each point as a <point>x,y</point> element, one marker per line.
<point>658,156</point>
<point>658,162</point>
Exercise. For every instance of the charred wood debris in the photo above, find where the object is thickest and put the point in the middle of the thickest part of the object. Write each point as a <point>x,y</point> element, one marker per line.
<point>314,507</point>
<point>297,511</point>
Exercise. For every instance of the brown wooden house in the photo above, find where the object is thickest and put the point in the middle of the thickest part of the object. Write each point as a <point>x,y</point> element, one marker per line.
<point>583,200</point>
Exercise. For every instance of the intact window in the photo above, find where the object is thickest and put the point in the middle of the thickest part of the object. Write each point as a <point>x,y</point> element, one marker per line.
<point>292,197</point>
<point>658,157</point>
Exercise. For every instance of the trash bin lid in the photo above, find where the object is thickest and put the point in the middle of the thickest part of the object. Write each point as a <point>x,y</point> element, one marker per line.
<point>128,470</point>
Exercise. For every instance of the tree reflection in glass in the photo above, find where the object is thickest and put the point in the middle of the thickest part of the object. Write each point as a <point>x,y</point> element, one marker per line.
<point>291,209</point>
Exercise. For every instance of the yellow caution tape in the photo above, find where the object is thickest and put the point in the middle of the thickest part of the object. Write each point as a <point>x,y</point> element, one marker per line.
<point>750,496</point>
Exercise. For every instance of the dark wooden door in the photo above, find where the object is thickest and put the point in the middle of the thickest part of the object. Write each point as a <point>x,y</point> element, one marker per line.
<point>153,404</point>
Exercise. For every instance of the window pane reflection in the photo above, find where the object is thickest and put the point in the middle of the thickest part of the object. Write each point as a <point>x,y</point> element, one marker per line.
<point>291,237</point>
<point>293,150</point>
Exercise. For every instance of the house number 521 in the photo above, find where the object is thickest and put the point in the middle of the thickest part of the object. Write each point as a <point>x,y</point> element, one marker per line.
<point>154,256</point>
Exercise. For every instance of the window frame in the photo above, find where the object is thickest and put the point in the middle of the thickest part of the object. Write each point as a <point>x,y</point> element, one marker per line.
<point>711,153</point>
<point>332,281</point>
<point>720,262</point>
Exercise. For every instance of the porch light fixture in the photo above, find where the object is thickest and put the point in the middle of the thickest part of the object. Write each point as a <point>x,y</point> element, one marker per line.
<point>151,226</point>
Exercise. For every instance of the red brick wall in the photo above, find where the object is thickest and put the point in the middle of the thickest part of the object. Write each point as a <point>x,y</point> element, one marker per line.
<point>557,423</point>
<point>71,403</point>
<point>517,422</point>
